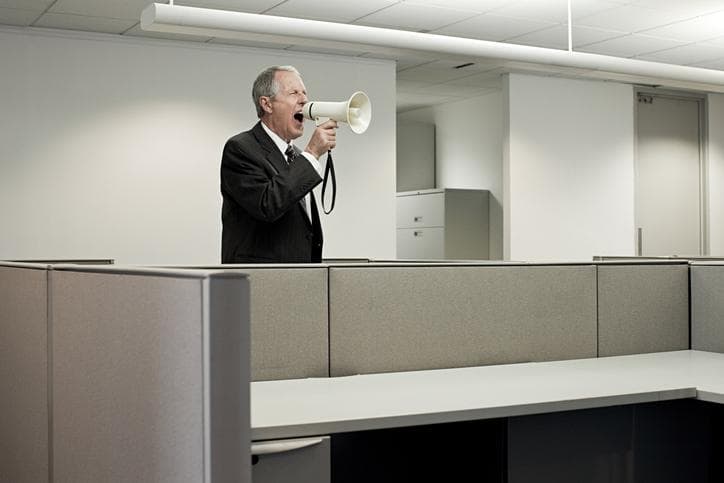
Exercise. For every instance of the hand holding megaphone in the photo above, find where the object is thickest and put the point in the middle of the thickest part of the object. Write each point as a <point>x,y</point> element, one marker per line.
<point>357,111</point>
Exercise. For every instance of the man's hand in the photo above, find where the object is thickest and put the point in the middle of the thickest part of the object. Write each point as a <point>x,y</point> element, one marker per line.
<point>323,139</point>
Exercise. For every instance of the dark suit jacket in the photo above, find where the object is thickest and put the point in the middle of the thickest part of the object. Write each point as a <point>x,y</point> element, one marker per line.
<point>263,219</point>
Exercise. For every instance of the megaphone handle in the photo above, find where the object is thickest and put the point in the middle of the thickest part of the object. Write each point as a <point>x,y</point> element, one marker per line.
<point>320,120</point>
<point>329,169</point>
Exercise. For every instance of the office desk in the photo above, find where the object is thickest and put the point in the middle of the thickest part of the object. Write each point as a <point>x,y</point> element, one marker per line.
<point>295,408</point>
<point>505,395</point>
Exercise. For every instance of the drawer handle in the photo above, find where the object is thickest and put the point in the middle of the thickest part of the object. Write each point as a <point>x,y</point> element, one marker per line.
<point>417,219</point>
<point>273,447</point>
<point>418,233</point>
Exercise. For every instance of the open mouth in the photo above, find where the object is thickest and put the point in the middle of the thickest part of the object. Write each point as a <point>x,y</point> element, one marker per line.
<point>299,116</point>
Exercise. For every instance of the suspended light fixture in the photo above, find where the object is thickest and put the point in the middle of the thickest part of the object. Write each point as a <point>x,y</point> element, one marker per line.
<point>247,26</point>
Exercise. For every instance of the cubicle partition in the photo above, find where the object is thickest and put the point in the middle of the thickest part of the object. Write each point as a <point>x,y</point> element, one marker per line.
<point>707,306</point>
<point>23,373</point>
<point>642,307</point>
<point>386,317</point>
<point>289,319</point>
<point>124,374</point>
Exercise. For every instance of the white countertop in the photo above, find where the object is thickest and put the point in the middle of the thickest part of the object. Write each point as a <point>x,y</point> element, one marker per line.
<point>305,407</point>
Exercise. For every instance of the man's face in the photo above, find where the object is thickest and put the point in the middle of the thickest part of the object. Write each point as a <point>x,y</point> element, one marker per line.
<point>284,110</point>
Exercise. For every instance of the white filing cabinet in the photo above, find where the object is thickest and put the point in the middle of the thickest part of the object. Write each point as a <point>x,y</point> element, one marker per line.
<point>443,224</point>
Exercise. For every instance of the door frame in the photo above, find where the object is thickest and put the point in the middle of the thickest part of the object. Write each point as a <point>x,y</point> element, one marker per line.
<point>702,101</point>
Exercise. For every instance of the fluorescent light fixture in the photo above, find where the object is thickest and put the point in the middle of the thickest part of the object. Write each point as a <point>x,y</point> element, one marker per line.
<point>283,30</point>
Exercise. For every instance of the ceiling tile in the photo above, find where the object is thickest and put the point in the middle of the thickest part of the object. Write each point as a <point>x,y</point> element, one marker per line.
<point>26,4</point>
<point>414,16</point>
<point>493,27</point>
<point>686,9</point>
<point>630,45</point>
<point>250,6</point>
<point>249,43</point>
<point>432,73</point>
<point>718,42</point>
<point>325,50</point>
<point>127,9</point>
<point>17,16</point>
<point>138,32</point>
<point>629,18</point>
<point>89,24</point>
<point>479,6</point>
<point>553,10</point>
<point>404,61</point>
<point>712,64</point>
<point>491,78</point>
<point>557,37</point>
<point>686,54</point>
<point>329,11</point>
<point>411,86</point>
<point>695,30</point>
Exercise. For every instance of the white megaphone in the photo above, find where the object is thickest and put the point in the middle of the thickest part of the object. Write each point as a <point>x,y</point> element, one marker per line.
<point>357,111</point>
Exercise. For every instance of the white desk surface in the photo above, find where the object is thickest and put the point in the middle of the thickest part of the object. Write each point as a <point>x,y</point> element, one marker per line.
<point>305,407</point>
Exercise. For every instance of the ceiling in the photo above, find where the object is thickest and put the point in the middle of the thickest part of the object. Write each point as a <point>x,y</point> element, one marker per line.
<point>686,32</point>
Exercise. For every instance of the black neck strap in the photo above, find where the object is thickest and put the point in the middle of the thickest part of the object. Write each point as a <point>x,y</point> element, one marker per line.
<point>329,169</point>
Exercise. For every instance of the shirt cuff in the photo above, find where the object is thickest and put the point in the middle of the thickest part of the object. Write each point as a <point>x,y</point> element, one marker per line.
<point>313,161</point>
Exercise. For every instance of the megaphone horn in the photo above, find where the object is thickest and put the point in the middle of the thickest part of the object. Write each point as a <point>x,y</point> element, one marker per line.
<point>357,111</point>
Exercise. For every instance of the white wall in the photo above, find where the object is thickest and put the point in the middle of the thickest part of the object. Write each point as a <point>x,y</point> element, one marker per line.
<point>468,150</point>
<point>568,169</point>
<point>716,174</point>
<point>110,146</point>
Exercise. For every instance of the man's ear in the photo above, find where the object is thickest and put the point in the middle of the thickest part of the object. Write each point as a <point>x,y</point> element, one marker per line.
<point>265,103</point>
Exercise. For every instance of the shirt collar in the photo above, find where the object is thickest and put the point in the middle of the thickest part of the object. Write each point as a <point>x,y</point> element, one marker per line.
<point>280,143</point>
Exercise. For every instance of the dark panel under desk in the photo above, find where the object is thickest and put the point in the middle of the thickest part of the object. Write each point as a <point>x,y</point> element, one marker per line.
<point>473,451</point>
<point>665,442</point>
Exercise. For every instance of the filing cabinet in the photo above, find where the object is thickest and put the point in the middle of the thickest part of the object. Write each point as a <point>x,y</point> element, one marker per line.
<point>443,224</point>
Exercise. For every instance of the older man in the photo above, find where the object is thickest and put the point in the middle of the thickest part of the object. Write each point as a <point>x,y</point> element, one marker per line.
<point>269,212</point>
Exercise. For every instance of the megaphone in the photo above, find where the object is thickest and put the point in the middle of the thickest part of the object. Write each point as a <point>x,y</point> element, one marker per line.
<point>357,111</point>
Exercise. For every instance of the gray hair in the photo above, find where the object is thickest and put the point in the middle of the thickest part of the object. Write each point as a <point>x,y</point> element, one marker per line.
<point>267,86</point>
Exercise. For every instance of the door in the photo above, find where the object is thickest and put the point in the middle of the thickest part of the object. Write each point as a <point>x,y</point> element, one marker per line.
<point>668,186</point>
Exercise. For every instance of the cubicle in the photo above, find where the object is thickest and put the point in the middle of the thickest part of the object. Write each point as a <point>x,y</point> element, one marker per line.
<point>123,374</point>
<point>317,330</point>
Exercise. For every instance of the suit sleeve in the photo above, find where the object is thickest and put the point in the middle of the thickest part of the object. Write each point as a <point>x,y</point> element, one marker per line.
<point>262,190</point>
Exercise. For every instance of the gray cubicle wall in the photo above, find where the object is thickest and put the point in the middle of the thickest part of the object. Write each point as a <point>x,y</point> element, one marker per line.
<point>643,307</point>
<point>150,376</point>
<point>707,306</point>
<point>23,373</point>
<point>289,320</point>
<point>399,318</point>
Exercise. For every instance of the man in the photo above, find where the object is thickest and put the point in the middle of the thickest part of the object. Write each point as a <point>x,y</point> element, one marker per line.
<point>269,212</point>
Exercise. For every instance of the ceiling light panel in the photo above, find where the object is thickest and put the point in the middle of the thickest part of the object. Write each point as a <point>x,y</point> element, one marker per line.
<point>412,16</point>
<point>346,11</point>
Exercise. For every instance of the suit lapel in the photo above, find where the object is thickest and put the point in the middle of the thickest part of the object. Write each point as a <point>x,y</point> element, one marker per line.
<point>271,153</point>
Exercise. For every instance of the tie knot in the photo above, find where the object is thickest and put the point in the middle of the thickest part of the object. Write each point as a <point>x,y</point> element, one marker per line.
<point>289,153</point>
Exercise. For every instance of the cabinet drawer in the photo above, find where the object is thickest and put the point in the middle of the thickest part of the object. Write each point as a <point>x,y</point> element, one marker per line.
<point>421,210</point>
<point>421,243</point>
<point>304,460</point>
